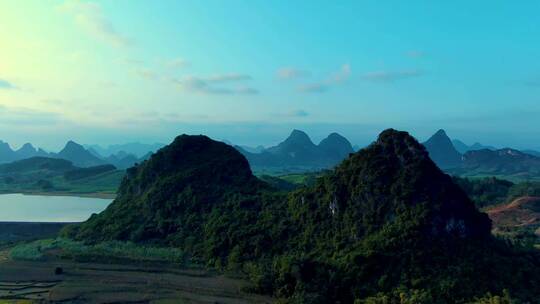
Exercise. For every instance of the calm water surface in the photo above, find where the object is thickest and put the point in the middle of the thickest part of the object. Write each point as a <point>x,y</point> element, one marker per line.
<point>38,208</point>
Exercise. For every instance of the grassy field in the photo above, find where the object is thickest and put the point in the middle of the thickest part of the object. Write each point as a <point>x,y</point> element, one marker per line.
<point>113,272</point>
<point>113,251</point>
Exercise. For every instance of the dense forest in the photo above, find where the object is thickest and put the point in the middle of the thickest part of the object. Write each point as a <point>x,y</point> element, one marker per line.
<point>385,226</point>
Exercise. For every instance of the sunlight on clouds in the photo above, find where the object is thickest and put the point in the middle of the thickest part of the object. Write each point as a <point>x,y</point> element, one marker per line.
<point>334,79</point>
<point>90,17</point>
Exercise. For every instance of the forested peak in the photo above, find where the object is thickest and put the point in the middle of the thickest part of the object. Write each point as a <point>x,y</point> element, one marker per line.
<point>394,174</point>
<point>195,152</point>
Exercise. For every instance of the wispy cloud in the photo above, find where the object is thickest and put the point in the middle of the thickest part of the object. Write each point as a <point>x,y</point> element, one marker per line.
<point>214,84</point>
<point>391,76</point>
<point>247,91</point>
<point>228,77</point>
<point>177,63</point>
<point>90,17</point>
<point>146,73</point>
<point>342,75</point>
<point>291,73</point>
<point>4,84</point>
<point>24,117</point>
<point>336,78</point>
<point>415,54</point>
<point>313,88</point>
<point>298,113</point>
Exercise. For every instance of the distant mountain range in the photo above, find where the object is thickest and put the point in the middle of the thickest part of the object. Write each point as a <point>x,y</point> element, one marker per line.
<point>461,147</point>
<point>81,156</point>
<point>457,158</point>
<point>298,152</point>
<point>139,150</point>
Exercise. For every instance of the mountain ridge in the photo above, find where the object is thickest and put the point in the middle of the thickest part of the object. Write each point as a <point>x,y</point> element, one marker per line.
<point>298,151</point>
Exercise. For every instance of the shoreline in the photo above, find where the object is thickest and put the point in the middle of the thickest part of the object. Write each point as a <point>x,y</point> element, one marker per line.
<point>100,195</point>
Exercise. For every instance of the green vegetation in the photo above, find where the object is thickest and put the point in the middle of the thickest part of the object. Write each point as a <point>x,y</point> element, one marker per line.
<point>385,226</point>
<point>485,191</point>
<point>49,175</point>
<point>31,251</point>
<point>112,250</point>
<point>490,191</point>
<point>524,189</point>
<point>293,181</point>
<point>81,173</point>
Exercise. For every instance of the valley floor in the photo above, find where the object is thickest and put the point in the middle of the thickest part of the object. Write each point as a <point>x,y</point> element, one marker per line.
<point>115,283</point>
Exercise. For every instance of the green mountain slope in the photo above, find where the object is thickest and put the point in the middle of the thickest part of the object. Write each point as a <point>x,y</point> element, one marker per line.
<point>386,222</point>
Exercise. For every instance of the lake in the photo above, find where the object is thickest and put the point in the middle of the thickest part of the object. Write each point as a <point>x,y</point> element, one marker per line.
<point>40,208</point>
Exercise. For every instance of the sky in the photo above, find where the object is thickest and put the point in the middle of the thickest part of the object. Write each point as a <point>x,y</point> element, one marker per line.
<point>249,72</point>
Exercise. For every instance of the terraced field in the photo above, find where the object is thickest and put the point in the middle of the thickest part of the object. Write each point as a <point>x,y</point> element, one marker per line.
<point>116,283</point>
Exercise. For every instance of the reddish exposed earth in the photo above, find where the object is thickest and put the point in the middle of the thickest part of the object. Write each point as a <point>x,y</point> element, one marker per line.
<point>521,212</point>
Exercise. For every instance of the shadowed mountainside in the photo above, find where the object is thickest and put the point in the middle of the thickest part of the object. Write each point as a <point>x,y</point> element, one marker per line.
<point>442,151</point>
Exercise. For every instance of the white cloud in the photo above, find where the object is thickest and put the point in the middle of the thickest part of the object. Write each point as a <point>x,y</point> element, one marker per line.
<point>291,73</point>
<point>342,75</point>
<point>227,77</point>
<point>90,17</point>
<point>313,88</point>
<point>209,85</point>
<point>298,113</point>
<point>391,76</point>
<point>177,63</point>
<point>146,73</point>
<point>336,78</point>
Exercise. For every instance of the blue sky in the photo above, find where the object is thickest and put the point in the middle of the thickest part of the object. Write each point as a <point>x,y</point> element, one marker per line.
<point>250,71</point>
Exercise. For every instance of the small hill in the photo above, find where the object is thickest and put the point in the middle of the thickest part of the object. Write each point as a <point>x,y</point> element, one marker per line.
<point>37,164</point>
<point>505,162</point>
<point>79,156</point>
<point>531,152</point>
<point>38,174</point>
<point>442,151</point>
<point>479,146</point>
